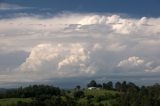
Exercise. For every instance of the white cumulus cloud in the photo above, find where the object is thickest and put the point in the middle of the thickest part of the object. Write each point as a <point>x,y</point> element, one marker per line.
<point>79,45</point>
<point>77,54</point>
<point>131,61</point>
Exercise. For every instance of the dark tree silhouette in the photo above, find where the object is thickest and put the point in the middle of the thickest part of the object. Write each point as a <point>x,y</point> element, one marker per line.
<point>92,84</point>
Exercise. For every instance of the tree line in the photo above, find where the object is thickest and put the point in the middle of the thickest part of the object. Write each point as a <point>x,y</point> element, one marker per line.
<point>125,94</point>
<point>121,87</point>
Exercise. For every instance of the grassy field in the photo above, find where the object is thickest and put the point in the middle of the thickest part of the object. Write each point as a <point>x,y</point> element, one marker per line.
<point>100,92</point>
<point>108,94</point>
<point>5,102</point>
<point>95,92</point>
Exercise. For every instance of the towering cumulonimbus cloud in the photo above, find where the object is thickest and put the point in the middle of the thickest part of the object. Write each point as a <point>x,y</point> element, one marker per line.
<point>77,53</point>
<point>51,58</point>
<point>80,45</point>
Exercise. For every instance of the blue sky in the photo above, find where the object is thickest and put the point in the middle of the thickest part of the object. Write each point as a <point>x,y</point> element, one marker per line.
<point>70,42</point>
<point>148,8</point>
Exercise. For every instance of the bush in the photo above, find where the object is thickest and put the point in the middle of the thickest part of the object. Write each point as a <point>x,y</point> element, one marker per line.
<point>78,94</point>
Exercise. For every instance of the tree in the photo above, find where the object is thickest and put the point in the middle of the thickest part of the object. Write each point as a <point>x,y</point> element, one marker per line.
<point>124,86</point>
<point>118,86</point>
<point>131,87</point>
<point>78,87</point>
<point>99,85</point>
<point>104,86</point>
<point>108,85</point>
<point>92,84</point>
<point>78,94</point>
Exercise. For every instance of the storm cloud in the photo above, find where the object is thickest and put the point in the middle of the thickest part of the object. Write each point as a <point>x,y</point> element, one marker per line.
<point>79,45</point>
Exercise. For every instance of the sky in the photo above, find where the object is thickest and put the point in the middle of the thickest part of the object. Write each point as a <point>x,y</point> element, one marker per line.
<point>70,42</point>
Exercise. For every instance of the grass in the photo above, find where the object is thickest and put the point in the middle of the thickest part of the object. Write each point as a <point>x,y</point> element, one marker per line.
<point>100,92</point>
<point>94,92</point>
<point>8,101</point>
<point>110,94</point>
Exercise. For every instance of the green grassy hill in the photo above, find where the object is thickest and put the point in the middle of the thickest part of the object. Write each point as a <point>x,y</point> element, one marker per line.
<point>100,92</point>
<point>9,101</point>
<point>105,97</point>
<point>95,96</point>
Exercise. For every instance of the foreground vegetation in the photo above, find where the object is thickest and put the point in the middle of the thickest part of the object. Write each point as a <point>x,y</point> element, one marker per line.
<point>14,101</point>
<point>121,94</point>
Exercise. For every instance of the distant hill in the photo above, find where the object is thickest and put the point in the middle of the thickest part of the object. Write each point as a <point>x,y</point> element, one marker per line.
<point>3,90</point>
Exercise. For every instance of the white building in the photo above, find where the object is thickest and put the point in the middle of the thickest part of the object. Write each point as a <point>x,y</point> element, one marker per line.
<point>91,88</point>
